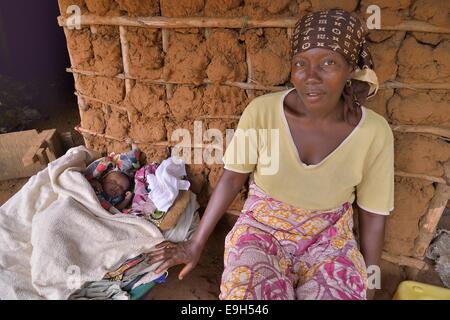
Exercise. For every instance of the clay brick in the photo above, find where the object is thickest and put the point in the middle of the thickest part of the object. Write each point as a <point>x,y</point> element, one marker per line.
<point>109,90</point>
<point>117,124</point>
<point>93,119</point>
<point>227,57</point>
<point>113,146</point>
<point>432,11</point>
<point>412,197</point>
<point>148,130</point>
<point>186,58</point>
<point>176,8</point>
<point>145,53</point>
<point>139,8</point>
<point>96,143</point>
<point>147,99</point>
<point>420,63</point>
<point>186,102</point>
<point>420,108</point>
<point>348,5</point>
<point>153,154</point>
<point>379,102</point>
<point>416,153</point>
<point>224,100</point>
<point>103,7</point>
<point>64,4</point>
<point>269,48</point>
<point>383,54</point>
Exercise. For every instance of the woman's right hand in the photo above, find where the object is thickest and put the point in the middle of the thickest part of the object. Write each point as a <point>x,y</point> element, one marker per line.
<point>172,254</point>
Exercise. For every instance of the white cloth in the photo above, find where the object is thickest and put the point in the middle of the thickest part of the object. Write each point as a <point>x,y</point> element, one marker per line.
<point>55,226</point>
<point>166,182</point>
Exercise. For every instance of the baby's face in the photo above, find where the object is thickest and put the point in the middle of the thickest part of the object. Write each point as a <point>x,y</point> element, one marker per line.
<point>115,184</point>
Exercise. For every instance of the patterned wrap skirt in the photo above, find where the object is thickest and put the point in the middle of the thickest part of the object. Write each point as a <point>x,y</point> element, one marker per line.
<point>276,251</point>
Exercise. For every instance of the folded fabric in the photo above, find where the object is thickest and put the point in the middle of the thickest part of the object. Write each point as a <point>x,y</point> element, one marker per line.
<point>141,204</point>
<point>165,184</point>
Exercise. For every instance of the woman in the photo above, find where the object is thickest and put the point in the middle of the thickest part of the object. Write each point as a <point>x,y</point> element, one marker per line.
<point>294,238</point>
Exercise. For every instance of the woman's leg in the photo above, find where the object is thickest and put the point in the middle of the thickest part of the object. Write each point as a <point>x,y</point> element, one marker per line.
<point>333,276</point>
<point>255,267</point>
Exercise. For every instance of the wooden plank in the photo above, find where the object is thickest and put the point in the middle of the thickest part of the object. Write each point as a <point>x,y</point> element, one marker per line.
<point>430,220</point>
<point>31,155</point>
<point>404,261</point>
<point>12,147</point>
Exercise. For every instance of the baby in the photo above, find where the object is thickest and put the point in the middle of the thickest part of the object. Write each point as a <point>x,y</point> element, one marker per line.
<point>114,188</point>
<point>110,177</point>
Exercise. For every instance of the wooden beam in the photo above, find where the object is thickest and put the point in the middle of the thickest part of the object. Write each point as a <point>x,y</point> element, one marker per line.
<point>257,86</point>
<point>234,23</point>
<point>437,131</point>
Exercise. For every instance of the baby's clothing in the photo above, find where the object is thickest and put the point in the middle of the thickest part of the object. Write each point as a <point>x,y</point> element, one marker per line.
<point>126,163</point>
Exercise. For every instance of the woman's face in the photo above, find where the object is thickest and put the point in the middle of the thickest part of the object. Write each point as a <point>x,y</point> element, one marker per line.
<point>319,76</point>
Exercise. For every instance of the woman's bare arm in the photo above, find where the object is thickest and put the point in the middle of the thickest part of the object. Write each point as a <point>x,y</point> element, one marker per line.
<point>371,238</point>
<point>229,185</point>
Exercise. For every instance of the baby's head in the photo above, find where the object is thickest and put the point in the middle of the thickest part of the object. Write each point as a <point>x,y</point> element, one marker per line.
<point>115,184</point>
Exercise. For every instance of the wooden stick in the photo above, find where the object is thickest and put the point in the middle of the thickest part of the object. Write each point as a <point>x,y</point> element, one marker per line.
<point>429,222</point>
<point>235,23</point>
<point>115,106</point>
<point>165,44</point>
<point>250,80</point>
<point>126,64</point>
<point>444,132</point>
<point>391,84</point>
<point>420,176</point>
<point>125,58</point>
<point>252,86</point>
<point>126,140</point>
<point>404,261</point>
<point>233,117</point>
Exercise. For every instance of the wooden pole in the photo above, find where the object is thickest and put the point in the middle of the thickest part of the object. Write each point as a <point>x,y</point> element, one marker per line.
<point>127,140</point>
<point>429,222</point>
<point>252,86</point>
<point>115,106</point>
<point>420,176</point>
<point>165,44</point>
<point>235,23</point>
<point>414,86</point>
<point>125,57</point>
<point>437,131</point>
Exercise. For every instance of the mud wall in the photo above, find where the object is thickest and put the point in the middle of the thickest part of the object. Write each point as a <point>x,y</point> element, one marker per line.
<point>148,112</point>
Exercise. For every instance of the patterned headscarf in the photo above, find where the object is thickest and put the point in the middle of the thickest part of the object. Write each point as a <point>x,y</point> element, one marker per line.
<point>339,31</point>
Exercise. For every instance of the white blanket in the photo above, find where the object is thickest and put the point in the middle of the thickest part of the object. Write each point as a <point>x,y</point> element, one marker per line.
<point>54,234</point>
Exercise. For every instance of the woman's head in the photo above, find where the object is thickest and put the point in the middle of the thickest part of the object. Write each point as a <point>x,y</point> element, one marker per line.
<point>329,50</point>
<point>319,75</point>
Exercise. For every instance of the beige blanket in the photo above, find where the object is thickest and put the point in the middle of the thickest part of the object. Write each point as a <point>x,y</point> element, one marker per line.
<point>54,235</point>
